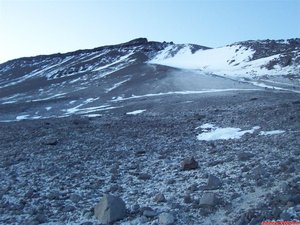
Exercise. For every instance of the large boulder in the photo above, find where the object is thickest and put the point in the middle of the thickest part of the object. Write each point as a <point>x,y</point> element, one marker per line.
<point>110,209</point>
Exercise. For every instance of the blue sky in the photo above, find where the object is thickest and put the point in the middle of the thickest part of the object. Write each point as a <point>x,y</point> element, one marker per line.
<point>32,27</point>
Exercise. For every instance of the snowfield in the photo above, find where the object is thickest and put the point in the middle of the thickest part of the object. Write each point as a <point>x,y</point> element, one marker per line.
<point>231,61</point>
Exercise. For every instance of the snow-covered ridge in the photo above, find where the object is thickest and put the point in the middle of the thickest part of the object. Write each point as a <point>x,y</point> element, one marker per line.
<point>244,59</point>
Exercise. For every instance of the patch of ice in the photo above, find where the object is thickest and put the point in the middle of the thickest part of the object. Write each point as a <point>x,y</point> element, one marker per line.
<point>22,117</point>
<point>259,84</point>
<point>223,133</point>
<point>92,115</point>
<point>57,96</point>
<point>89,100</point>
<point>78,110</point>
<point>8,102</point>
<point>122,58</point>
<point>136,112</point>
<point>48,108</point>
<point>182,93</point>
<point>207,126</point>
<point>116,85</point>
<point>272,132</point>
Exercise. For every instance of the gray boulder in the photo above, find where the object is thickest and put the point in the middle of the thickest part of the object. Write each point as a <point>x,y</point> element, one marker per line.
<point>213,182</point>
<point>110,209</point>
<point>208,200</point>
<point>166,219</point>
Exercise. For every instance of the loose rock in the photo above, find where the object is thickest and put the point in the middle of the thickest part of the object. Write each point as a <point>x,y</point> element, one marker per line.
<point>244,156</point>
<point>110,209</point>
<point>159,198</point>
<point>189,164</point>
<point>208,200</point>
<point>213,182</point>
<point>166,219</point>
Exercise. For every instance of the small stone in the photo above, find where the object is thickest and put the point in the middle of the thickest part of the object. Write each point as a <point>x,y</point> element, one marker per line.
<point>144,176</point>
<point>135,208</point>
<point>75,198</point>
<point>68,208</point>
<point>149,213</point>
<point>159,198</point>
<point>40,218</point>
<point>244,156</point>
<point>213,183</point>
<point>193,188</point>
<point>166,219</point>
<point>189,164</point>
<point>115,188</point>
<point>53,195</point>
<point>50,140</point>
<point>110,209</point>
<point>187,199</point>
<point>208,200</point>
<point>171,181</point>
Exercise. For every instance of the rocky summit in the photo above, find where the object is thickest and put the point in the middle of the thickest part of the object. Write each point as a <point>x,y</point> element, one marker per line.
<point>149,132</point>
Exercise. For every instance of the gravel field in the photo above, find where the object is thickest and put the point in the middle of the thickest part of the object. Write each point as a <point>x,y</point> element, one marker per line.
<point>54,171</point>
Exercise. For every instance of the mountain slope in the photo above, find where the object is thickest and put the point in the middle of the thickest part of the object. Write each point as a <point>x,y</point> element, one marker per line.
<point>205,148</point>
<point>88,81</point>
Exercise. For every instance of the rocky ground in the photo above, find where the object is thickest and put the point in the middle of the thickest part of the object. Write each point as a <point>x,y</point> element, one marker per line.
<point>55,171</point>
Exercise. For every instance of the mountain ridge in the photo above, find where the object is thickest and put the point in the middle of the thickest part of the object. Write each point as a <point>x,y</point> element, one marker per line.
<point>143,40</point>
<point>147,68</point>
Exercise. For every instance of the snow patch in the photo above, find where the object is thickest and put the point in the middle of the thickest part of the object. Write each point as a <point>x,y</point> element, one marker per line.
<point>211,133</point>
<point>272,132</point>
<point>93,115</point>
<point>136,112</point>
<point>181,93</point>
<point>22,117</point>
<point>116,85</point>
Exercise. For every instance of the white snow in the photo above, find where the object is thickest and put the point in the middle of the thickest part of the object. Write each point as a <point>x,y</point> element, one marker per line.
<point>211,133</point>
<point>259,84</point>
<point>22,117</point>
<point>182,93</point>
<point>93,115</point>
<point>232,61</point>
<point>207,126</point>
<point>78,110</point>
<point>56,96</point>
<point>122,58</point>
<point>136,112</point>
<point>8,102</point>
<point>272,132</point>
<point>116,85</point>
<point>223,133</point>
<point>89,100</point>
